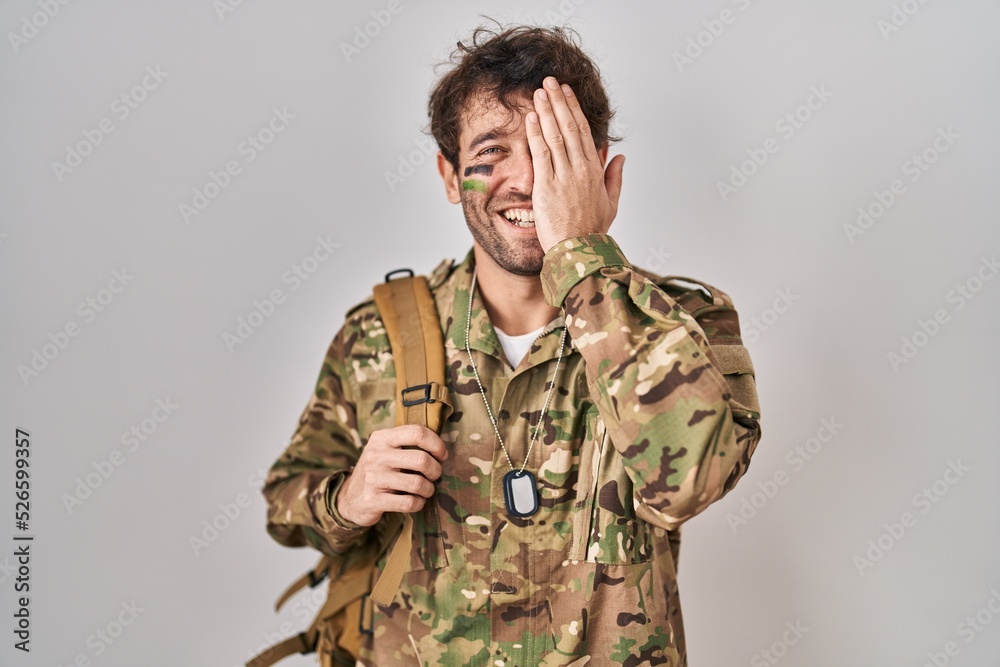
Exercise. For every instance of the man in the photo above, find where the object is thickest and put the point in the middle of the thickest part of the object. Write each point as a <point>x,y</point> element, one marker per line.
<point>554,545</point>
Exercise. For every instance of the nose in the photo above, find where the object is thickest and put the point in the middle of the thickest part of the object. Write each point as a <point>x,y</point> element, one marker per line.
<point>520,175</point>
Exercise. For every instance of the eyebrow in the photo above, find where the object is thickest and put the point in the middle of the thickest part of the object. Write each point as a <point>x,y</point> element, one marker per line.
<point>489,135</point>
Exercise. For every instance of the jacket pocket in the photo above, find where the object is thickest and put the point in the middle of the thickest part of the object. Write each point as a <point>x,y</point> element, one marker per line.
<point>376,410</point>
<point>617,536</point>
<point>606,528</point>
<point>428,551</point>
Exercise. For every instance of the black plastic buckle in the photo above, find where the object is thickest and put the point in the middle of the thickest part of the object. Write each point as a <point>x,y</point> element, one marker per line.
<point>426,398</point>
<point>307,648</point>
<point>410,271</point>
<point>366,603</point>
<point>316,579</point>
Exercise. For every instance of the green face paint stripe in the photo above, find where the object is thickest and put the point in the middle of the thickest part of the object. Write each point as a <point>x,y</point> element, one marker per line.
<point>474,184</point>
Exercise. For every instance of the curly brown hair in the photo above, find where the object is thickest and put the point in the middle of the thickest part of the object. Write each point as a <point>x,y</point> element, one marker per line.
<point>511,64</point>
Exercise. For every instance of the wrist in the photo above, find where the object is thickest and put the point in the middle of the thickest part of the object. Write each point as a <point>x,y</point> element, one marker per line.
<point>334,502</point>
<point>572,260</point>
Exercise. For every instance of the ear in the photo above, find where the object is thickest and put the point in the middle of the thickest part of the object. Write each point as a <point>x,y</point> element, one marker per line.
<point>450,178</point>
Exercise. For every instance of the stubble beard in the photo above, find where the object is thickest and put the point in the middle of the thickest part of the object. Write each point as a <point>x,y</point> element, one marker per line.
<point>521,257</point>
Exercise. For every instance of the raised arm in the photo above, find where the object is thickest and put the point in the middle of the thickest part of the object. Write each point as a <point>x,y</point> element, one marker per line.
<point>684,425</point>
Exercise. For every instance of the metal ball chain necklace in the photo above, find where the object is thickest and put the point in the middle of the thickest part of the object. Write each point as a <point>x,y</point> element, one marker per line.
<point>520,490</point>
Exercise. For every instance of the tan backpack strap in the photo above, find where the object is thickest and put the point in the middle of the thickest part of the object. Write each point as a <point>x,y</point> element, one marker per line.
<point>735,364</point>
<point>304,642</point>
<point>388,583</point>
<point>414,330</point>
<point>346,586</point>
<point>350,586</point>
<point>411,321</point>
<point>312,578</point>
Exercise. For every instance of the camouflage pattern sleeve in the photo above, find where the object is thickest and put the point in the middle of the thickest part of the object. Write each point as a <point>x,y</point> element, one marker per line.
<point>656,380</point>
<point>301,485</point>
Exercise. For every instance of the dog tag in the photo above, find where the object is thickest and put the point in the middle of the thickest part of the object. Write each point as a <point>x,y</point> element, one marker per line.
<point>520,493</point>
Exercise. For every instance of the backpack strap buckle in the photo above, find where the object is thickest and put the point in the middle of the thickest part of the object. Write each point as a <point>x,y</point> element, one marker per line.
<point>426,398</point>
<point>409,271</point>
<point>316,577</point>
<point>308,642</point>
<point>304,643</point>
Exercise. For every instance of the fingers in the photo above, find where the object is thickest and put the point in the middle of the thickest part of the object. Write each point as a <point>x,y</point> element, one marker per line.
<point>415,434</point>
<point>583,127</point>
<point>395,473</point>
<point>560,126</point>
<point>415,460</point>
<point>412,484</point>
<point>404,448</point>
<point>551,130</point>
<point>541,156</point>
<point>401,503</point>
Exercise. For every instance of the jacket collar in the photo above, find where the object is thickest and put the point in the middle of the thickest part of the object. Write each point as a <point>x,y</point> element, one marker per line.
<point>453,300</point>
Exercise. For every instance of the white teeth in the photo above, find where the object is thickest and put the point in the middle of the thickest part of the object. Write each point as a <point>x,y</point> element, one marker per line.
<point>520,216</point>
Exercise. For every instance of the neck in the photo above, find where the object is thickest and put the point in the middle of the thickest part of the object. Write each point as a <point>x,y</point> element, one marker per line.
<point>515,304</point>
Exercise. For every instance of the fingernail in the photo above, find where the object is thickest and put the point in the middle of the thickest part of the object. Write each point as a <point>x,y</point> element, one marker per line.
<point>532,117</point>
<point>551,82</point>
<point>567,90</point>
<point>542,94</point>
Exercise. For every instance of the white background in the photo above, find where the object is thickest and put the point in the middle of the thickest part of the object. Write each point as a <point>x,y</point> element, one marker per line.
<point>356,118</point>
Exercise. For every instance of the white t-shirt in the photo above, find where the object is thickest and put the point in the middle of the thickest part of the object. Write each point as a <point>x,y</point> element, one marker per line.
<point>516,347</point>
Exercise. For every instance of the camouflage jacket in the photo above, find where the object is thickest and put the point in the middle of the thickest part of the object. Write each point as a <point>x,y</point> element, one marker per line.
<point>642,433</point>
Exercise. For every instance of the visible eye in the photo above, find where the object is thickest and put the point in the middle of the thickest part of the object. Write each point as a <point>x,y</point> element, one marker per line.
<point>491,148</point>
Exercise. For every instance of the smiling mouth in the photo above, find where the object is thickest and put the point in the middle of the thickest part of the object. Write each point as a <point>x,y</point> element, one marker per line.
<point>519,217</point>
